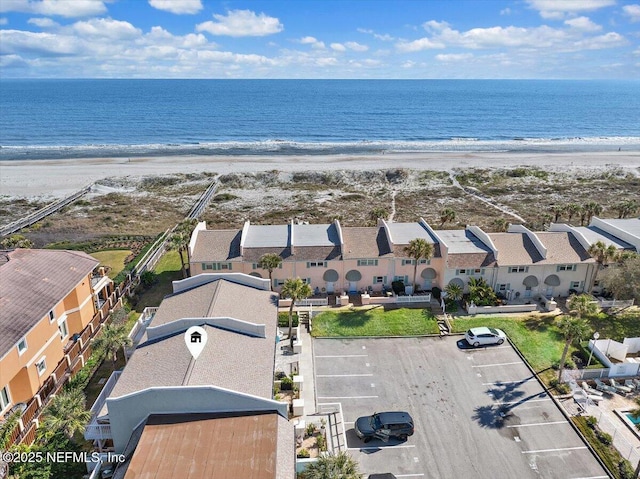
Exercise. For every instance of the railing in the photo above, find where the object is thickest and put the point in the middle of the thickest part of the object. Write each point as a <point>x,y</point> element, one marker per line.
<point>95,431</point>
<point>104,394</point>
<point>61,369</point>
<point>584,374</point>
<point>312,302</point>
<point>42,213</point>
<point>30,412</point>
<point>615,303</point>
<point>424,298</point>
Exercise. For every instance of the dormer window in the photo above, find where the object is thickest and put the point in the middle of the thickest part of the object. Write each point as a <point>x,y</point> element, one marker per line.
<point>22,346</point>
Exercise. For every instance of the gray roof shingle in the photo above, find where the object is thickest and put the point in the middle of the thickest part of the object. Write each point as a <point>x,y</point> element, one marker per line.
<point>32,282</point>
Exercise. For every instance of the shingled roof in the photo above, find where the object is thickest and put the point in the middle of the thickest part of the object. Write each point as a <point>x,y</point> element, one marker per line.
<point>364,242</point>
<point>217,245</point>
<point>32,282</point>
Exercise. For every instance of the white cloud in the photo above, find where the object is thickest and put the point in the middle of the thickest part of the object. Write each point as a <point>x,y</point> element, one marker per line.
<point>3,21</point>
<point>179,7</point>
<point>383,37</point>
<point>107,28</point>
<point>557,9</point>
<point>583,23</point>
<point>314,42</point>
<point>418,45</point>
<point>45,44</point>
<point>608,40</point>
<point>241,23</point>
<point>505,11</point>
<point>64,8</point>
<point>338,47</point>
<point>43,22</point>
<point>408,64</point>
<point>356,47</point>
<point>454,57</point>
<point>632,11</point>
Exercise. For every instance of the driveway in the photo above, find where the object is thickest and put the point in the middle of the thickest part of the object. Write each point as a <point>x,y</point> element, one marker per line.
<point>478,412</point>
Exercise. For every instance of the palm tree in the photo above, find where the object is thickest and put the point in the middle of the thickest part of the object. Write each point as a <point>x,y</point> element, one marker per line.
<point>592,209</point>
<point>179,240</point>
<point>418,249</point>
<point>113,338</point>
<point>295,289</point>
<point>602,254</point>
<point>500,225</point>
<point>557,212</point>
<point>333,466</point>
<point>626,208</point>
<point>66,412</point>
<point>454,291</point>
<point>447,215</point>
<point>574,327</point>
<point>270,261</point>
<point>572,209</point>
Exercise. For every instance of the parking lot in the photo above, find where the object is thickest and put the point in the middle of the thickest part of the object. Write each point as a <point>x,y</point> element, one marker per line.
<point>477,412</point>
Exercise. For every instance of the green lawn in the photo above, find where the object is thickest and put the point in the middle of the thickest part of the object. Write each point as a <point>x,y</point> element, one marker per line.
<point>113,259</point>
<point>540,341</point>
<point>167,271</point>
<point>375,322</point>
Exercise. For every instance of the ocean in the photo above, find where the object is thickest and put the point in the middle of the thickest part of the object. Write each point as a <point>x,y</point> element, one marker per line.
<point>119,118</point>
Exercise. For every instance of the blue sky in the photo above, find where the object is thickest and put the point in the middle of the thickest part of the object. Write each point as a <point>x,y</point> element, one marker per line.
<point>576,39</point>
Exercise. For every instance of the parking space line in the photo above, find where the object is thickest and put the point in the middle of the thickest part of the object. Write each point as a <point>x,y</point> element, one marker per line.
<point>409,475</point>
<point>555,450</point>
<point>541,424</point>
<point>524,401</point>
<point>345,356</point>
<point>497,364</point>
<point>399,446</point>
<point>342,375</point>
<point>347,397</point>
<point>592,477</point>
<point>498,383</point>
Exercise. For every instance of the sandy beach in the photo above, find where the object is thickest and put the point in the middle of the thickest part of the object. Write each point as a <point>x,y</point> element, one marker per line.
<point>56,178</point>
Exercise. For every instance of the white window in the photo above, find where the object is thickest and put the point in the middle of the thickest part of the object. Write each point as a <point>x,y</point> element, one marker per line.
<point>52,316</point>
<point>461,271</point>
<point>367,262</point>
<point>424,261</point>
<point>566,267</point>
<point>5,399</point>
<point>408,261</point>
<point>379,280</point>
<point>22,346</point>
<point>575,285</point>
<point>41,366</point>
<point>278,282</point>
<point>518,269</point>
<point>206,266</point>
<point>316,264</point>
<point>502,287</point>
<point>404,279</point>
<point>62,327</point>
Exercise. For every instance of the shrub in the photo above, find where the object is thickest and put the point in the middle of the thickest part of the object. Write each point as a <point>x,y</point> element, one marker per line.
<point>148,278</point>
<point>322,443</point>
<point>279,375</point>
<point>303,453</point>
<point>591,422</point>
<point>604,438</point>
<point>311,429</point>
<point>625,469</point>
<point>286,384</point>
<point>283,320</point>
<point>562,388</point>
<point>398,287</point>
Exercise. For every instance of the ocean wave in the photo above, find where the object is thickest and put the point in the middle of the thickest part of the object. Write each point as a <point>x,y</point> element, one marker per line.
<point>290,147</point>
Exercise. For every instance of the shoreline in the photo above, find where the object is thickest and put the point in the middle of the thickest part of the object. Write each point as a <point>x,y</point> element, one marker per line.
<point>57,178</point>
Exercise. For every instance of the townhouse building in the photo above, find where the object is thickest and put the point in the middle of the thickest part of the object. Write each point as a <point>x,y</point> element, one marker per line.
<point>51,304</point>
<point>331,258</point>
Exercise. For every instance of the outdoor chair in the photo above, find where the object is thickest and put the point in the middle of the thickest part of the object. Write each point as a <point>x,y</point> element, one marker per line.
<point>590,390</point>
<point>619,387</point>
<point>600,386</point>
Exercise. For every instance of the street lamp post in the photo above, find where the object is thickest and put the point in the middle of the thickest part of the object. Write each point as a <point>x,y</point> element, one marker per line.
<point>596,335</point>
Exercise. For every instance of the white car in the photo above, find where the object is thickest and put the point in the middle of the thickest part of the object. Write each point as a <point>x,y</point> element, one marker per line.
<point>483,336</point>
